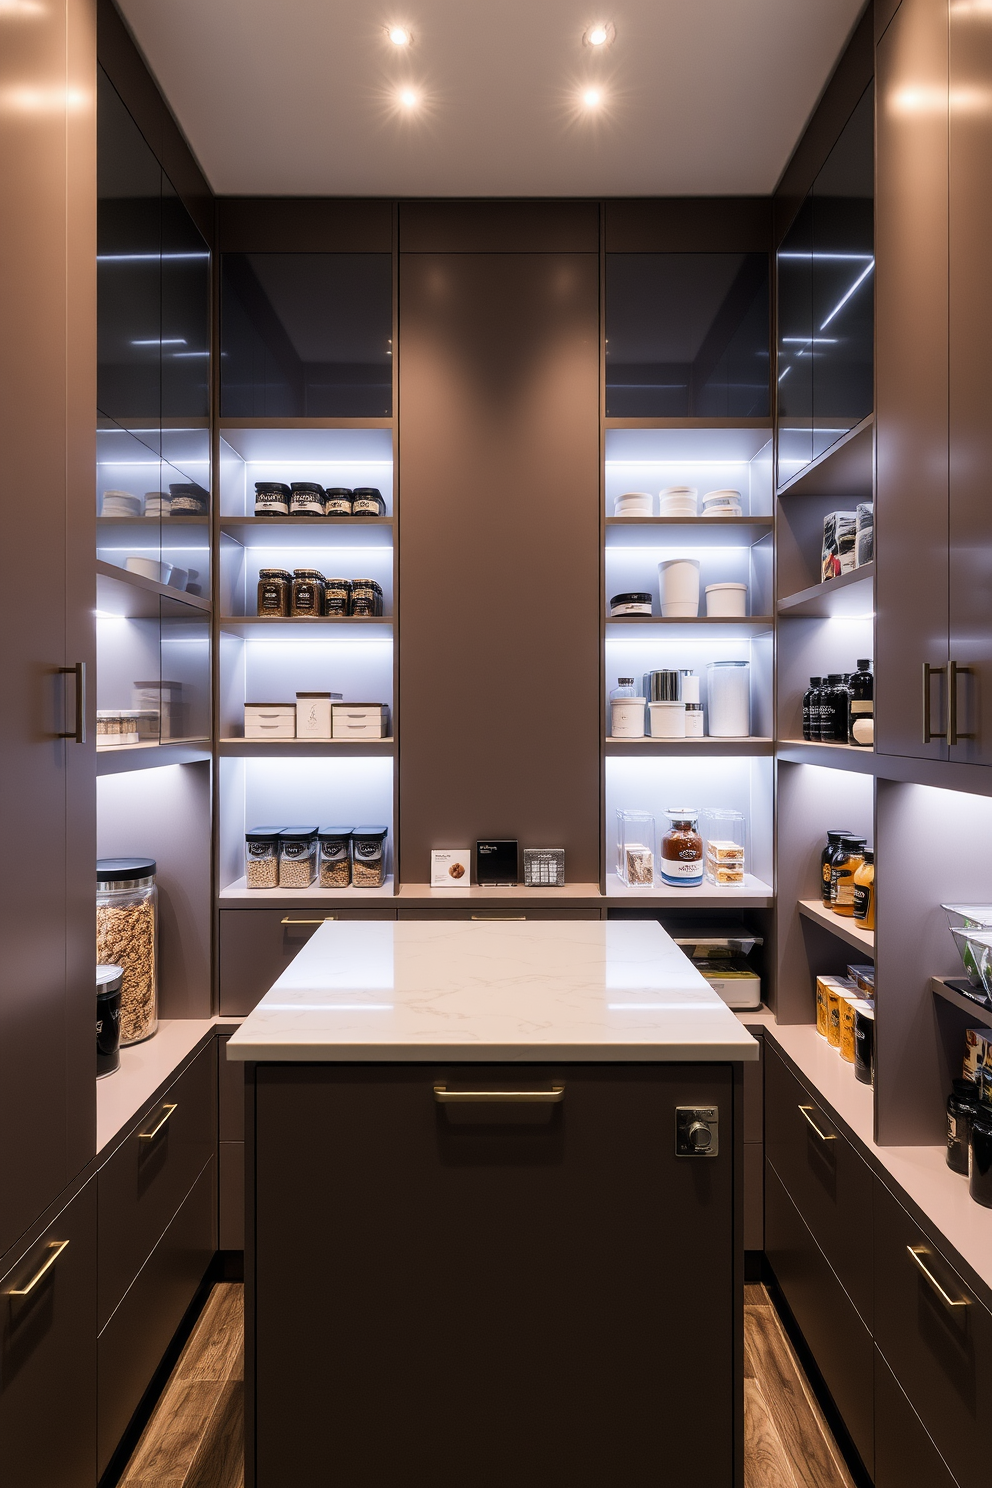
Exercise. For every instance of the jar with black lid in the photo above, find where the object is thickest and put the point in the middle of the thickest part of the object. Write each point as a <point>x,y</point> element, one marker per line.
<point>297,857</point>
<point>961,1106</point>
<point>826,858</point>
<point>306,499</point>
<point>368,852</point>
<point>271,499</point>
<point>367,501</point>
<point>274,590</point>
<point>308,592</point>
<point>835,703</point>
<point>109,983</point>
<point>980,1155</point>
<point>188,500</point>
<point>262,857</point>
<point>638,603</point>
<point>337,596</point>
<point>366,597</point>
<point>334,852</point>
<point>337,501</point>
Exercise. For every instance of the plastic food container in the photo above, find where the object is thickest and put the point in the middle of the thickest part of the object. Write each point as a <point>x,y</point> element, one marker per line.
<point>968,917</point>
<point>728,689</point>
<point>677,501</point>
<point>271,499</point>
<point>274,591</point>
<point>368,857</point>
<point>627,718</point>
<point>726,600</point>
<point>667,720</point>
<point>634,504</point>
<point>975,950</point>
<point>109,981</point>
<point>307,593</point>
<point>636,846</point>
<point>334,856</point>
<point>262,858</point>
<point>306,499</point>
<point>366,595</point>
<point>297,857</point>
<point>127,936</point>
<point>337,501</point>
<point>367,501</point>
<point>679,584</point>
<point>630,604</point>
<point>725,838</point>
<point>725,503</point>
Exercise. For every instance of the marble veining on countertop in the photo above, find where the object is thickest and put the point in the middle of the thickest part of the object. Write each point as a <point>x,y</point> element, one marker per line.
<point>589,990</point>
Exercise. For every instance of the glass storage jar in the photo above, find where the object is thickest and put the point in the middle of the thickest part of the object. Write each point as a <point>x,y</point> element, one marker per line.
<point>297,857</point>
<point>127,936</point>
<point>271,499</point>
<point>262,858</point>
<point>682,849</point>
<point>366,501</point>
<point>306,499</point>
<point>335,857</point>
<point>337,596</point>
<point>366,597</point>
<point>337,501</point>
<point>274,590</point>
<point>308,592</point>
<point>368,869</point>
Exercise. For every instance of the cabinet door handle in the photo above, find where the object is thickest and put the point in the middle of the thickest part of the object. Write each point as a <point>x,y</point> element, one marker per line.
<point>445,1097</point>
<point>55,1249</point>
<point>916,1254</point>
<point>322,921</point>
<point>167,1111</point>
<point>79,732</point>
<point>823,1136</point>
<point>499,919</point>
<point>928,672</point>
<point>953,673</point>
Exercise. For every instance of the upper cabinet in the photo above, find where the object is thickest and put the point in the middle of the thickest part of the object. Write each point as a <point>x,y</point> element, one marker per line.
<point>687,335</point>
<point>307,335</point>
<point>826,302</point>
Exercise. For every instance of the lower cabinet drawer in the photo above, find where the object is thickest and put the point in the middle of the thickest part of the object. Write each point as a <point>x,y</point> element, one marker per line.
<point>941,1353</point>
<point>754,1196</point>
<point>256,946</point>
<point>829,1183</point>
<point>905,1457</point>
<point>48,1355</point>
<point>131,1346</point>
<point>838,1339</point>
<point>494,915</point>
<point>142,1185</point>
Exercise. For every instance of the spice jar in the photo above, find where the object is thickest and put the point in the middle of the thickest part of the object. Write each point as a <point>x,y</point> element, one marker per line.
<point>368,850</point>
<point>337,596</point>
<point>127,936</point>
<point>366,501</point>
<point>961,1106</point>
<point>980,1156</point>
<point>334,857</point>
<point>271,499</point>
<point>274,591</point>
<point>834,837</point>
<point>297,857</point>
<point>337,501</point>
<point>366,598</point>
<point>843,865</point>
<point>864,892</point>
<point>306,499</point>
<point>682,849</point>
<point>262,858</point>
<point>307,597</point>
<point>109,980</point>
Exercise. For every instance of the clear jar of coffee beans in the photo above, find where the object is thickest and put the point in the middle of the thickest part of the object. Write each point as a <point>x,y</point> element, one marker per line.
<point>274,591</point>
<point>307,596</point>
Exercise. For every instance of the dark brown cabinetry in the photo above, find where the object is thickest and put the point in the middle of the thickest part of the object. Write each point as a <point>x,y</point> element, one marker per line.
<point>904,1453</point>
<point>256,946</point>
<point>553,1299</point>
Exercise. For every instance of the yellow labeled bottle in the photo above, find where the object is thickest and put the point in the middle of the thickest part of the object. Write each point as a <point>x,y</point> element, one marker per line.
<point>845,863</point>
<point>864,893</point>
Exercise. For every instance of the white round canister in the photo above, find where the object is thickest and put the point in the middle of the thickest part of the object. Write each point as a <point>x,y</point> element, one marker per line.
<point>726,600</point>
<point>728,699</point>
<point>679,583</point>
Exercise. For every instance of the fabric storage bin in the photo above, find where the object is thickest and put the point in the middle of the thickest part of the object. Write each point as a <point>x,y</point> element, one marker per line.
<point>270,721</point>
<point>360,721</point>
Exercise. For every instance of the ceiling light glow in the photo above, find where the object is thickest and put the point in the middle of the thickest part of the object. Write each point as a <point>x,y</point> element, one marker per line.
<point>399,35</point>
<point>592,98</point>
<point>408,98</point>
<point>600,34</point>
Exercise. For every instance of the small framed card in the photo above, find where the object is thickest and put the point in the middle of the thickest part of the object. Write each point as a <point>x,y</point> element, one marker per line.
<point>451,868</point>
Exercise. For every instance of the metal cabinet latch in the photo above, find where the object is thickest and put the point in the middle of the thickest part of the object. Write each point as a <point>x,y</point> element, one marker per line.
<point>697,1131</point>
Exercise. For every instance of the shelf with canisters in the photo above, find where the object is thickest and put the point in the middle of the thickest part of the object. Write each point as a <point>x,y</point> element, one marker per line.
<point>844,927</point>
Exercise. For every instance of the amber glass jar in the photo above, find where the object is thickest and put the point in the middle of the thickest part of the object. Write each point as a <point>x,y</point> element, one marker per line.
<point>846,861</point>
<point>864,892</point>
<point>682,849</point>
<point>308,592</point>
<point>274,585</point>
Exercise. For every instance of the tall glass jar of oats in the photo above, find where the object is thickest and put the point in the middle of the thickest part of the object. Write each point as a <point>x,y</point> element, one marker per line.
<point>127,936</point>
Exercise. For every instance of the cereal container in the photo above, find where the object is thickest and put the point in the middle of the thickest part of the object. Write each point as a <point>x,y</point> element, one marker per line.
<point>127,936</point>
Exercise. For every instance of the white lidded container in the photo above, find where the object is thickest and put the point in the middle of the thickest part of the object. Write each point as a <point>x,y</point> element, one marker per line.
<point>728,697</point>
<point>677,501</point>
<point>723,503</point>
<point>627,717</point>
<point>313,715</point>
<point>678,580</point>
<point>634,504</point>
<point>270,721</point>
<point>726,600</point>
<point>667,720</point>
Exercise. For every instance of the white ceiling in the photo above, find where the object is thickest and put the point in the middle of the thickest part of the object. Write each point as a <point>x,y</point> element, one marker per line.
<point>298,97</point>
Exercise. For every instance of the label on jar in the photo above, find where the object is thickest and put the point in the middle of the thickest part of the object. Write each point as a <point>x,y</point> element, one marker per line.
<point>864,707</point>
<point>332,852</point>
<point>339,504</point>
<point>304,599</point>
<point>952,1129</point>
<point>306,504</point>
<point>271,504</point>
<point>270,597</point>
<point>296,849</point>
<point>365,506</point>
<point>862,896</point>
<point>682,870</point>
<point>261,849</point>
<point>842,888</point>
<point>630,609</point>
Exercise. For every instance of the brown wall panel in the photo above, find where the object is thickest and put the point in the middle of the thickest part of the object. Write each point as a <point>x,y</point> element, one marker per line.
<point>297,224</point>
<point>499,566</point>
<point>688,224</point>
<point>499,227</point>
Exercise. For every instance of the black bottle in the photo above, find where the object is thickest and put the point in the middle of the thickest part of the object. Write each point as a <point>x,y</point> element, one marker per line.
<point>834,701</point>
<point>834,838</point>
<point>861,710</point>
<point>961,1105</point>
<point>980,1155</point>
<point>811,722</point>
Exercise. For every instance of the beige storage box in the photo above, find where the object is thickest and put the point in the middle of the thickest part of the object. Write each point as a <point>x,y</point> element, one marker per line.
<point>360,721</point>
<point>270,720</point>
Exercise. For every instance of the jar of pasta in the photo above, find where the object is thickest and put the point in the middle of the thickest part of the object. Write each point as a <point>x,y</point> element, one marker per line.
<point>127,936</point>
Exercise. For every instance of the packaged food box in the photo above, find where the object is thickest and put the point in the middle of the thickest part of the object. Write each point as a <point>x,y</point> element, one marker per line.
<point>977,1052</point>
<point>863,978</point>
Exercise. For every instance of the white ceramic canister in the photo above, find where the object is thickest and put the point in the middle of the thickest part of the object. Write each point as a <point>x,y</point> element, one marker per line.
<point>627,718</point>
<point>679,584</point>
<point>677,501</point>
<point>667,720</point>
<point>726,599</point>
<point>728,696</point>
<point>720,502</point>
<point>634,504</point>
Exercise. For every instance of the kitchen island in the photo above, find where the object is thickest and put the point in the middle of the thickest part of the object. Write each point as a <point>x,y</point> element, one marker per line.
<point>494,1211</point>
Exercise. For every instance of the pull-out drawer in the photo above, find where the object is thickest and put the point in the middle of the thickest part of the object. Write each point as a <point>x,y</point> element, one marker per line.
<point>48,1354</point>
<point>830,1184</point>
<point>936,1337</point>
<point>495,916</point>
<point>143,1184</point>
<point>904,1453</point>
<point>256,946</point>
<point>837,1337</point>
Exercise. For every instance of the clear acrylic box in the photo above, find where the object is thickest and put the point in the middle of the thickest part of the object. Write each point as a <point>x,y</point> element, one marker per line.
<point>725,846</point>
<point>636,849</point>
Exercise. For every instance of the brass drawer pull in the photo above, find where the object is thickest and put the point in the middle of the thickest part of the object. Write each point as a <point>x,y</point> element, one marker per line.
<point>492,919</point>
<point>444,1096</point>
<point>916,1254</point>
<point>928,672</point>
<point>953,673</point>
<point>322,921</point>
<point>55,1249</point>
<point>166,1113</point>
<point>823,1136</point>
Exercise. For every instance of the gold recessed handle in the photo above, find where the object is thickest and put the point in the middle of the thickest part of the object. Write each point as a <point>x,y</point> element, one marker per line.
<point>166,1113</point>
<point>916,1254</point>
<point>823,1136</point>
<point>322,921</point>
<point>55,1249</point>
<point>551,1097</point>
<point>501,919</point>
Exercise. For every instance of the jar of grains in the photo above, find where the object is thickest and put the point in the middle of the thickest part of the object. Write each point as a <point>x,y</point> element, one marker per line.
<point>368,869</point>
<point>337,596</point>
<point>127,936</point>
<point>274,586</point>
<point>307,597</point>
<point>297,857</point>
<point>366,598</point>
<point>262,858</point>
<point>335,857</point>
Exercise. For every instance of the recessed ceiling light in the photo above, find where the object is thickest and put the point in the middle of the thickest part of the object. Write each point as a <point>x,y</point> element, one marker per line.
<point>601,34</point>
<point>408,98</point>
<point>399,35</point>
<point>592,98</point>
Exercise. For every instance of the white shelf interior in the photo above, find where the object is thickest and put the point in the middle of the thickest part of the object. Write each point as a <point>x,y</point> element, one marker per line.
<point>333,457</point>
<point>707,459</point>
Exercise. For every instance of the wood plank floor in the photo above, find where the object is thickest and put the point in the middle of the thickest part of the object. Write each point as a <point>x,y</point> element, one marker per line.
<point>194,1438</point>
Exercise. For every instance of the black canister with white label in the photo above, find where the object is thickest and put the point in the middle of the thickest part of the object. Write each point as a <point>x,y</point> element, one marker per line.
<point>109,981</point>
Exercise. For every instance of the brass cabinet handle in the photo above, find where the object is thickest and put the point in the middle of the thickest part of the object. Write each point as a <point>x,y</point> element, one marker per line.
<point>322,921</point>
<point>928,672</point>
<point>79,732</point>
<point>823,1136</point>
<point>55,1249</point>
<point>953,673</point>
<point>167,1111</point>
<point>445,1097</point>
<point>916,1254</point>
<point>500,919</point>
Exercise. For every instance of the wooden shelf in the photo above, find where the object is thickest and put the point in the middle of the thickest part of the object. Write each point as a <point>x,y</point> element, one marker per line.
<point>256,624</point>
<point>688,423</point>
<point>839,925</point>
<point>504,897</point>
<point>120,759</point>
<point>304,748</point>
<point>752,894</point>
<point>131,596</point>
<point>828,756</point>
<point>716,748</point>
<point>686,532</point>
<point>947,988</point>
<point>844,470</point>
<point>306,423</point>
<point>237,895</point>
<point>851,595</point>
<point>147,524</point>
<point>309,532</point>
<point>752,621</point>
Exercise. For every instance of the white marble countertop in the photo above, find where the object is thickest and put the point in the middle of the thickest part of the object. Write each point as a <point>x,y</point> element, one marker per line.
<point>539,991</point>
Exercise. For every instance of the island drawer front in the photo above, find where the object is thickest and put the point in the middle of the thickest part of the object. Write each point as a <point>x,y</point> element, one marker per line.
<point>830,1184</point>
<point>143,1184</point>
<point>131,1346</point>
<point>510,1261</point>
<point>904,1453</point>
<point>838,1339</point>
<point>495,916</point>
<point>940,1354</point>
<point>256,946</point>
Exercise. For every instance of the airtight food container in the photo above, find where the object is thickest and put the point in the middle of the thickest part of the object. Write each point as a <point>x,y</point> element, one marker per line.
<point>726,600</point>
<point>634,504</point>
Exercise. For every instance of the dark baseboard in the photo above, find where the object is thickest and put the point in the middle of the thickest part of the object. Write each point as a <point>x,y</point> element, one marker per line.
<point>228,1265</point>
<point>754,1267</point>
